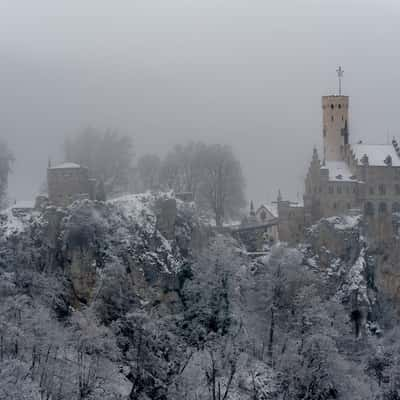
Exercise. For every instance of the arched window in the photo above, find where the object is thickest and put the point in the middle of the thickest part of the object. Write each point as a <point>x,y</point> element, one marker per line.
<point>382,208</point>
<point>369,209</point>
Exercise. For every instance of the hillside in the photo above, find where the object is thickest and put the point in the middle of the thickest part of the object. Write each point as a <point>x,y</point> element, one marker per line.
<point>137,298</point>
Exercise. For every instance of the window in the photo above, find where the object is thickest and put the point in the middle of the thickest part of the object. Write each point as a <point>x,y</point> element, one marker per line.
<point>369,209</point>
<point>396,208</point>
<point>383,208</point>
<point>334,206</point>
<point>340,106</point>
<point>339,190</point>
<point>332,118</point>
<point>330,189</point>
<point>397,188</point>
<point>348,206</point>
<point>371,190</point>
<point>332,106</point>
<point>382,189</point>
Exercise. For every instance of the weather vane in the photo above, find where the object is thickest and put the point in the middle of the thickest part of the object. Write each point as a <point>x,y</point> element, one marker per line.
<point>340,72</point>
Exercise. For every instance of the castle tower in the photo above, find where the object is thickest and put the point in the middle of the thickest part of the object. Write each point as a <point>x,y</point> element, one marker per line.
<point>335,111</point>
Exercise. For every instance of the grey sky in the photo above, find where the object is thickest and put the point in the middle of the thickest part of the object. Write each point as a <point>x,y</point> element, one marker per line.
<point>249,73</point>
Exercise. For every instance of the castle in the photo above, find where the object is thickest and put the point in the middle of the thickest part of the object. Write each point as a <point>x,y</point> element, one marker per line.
<point>350,178</point>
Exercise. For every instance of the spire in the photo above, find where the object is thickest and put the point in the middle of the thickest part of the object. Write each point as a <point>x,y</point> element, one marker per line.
<point>252,212</point>
<point>279,199</point>
<point>315,156</point>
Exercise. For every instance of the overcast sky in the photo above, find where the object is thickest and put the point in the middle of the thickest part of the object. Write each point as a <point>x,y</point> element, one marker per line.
<point>249,73</point>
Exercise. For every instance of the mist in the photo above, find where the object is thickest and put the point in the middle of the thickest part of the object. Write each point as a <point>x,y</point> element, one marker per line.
<point>245,73</point>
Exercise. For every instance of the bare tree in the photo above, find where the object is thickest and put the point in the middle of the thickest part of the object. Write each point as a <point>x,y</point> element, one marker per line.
<point>149,166</point>
<point>107,155</point>
<point>211,173</point>
<point>6,160</point>
<point>222,188</point>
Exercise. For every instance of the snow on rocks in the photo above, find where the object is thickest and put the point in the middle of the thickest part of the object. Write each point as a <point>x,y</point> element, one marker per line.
<point>13,224</point>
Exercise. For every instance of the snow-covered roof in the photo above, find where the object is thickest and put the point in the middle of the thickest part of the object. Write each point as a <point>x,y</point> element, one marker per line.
<point>376,153</point>
<point>66,165</point>
<point>339,171</point>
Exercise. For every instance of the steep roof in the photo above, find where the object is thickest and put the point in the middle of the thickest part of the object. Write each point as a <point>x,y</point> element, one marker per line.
<point>376,153</point>
<point>270,208</point>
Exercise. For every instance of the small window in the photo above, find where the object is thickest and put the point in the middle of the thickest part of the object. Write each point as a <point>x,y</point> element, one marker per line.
<point>369,209</point>
<point>383,208</point>
<point>332,106</point>
<point>340,106</point>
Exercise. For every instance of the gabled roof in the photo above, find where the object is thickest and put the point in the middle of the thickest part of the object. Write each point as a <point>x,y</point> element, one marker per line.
<point>376,153</point>
<point>270,209</point>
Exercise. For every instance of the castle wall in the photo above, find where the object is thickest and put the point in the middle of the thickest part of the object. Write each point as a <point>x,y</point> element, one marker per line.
<point>291,222</point>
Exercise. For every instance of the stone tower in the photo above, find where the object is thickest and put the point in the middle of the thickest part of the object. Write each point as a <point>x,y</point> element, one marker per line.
<point>335,111</point>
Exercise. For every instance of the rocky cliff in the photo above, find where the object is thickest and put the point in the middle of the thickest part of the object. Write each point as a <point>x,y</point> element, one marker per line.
<point>135,298</point>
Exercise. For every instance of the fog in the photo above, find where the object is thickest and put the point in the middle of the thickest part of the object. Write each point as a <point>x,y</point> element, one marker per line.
<point>249,73</point>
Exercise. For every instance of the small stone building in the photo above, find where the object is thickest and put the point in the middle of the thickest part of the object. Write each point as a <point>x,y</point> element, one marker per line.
<point>68,182</point>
